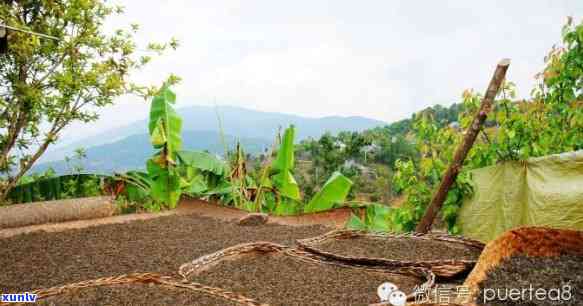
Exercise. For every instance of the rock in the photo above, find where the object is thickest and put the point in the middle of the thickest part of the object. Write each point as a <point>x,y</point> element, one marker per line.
<point>253,219</point>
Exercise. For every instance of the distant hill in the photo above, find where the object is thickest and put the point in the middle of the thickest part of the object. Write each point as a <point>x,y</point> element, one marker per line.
<point>132,152</point>
<point>237,122</point>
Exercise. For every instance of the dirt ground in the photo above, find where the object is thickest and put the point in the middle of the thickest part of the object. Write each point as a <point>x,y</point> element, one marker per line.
<point>399,249</point>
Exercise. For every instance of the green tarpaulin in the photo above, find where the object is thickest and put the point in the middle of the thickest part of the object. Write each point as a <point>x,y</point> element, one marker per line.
<point>545,191</point>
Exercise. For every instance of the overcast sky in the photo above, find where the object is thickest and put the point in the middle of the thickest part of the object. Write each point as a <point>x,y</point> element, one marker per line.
<point>378,59</point>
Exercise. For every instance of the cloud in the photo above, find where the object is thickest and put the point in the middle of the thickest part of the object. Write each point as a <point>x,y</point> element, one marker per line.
<point>380,59</point>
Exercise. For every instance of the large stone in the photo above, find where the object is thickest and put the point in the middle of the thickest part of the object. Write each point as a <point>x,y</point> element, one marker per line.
<point>253,219</point>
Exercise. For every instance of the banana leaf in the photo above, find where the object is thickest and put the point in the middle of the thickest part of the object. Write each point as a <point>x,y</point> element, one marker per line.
<point>334,191</point>
<point>197,187</point>
<point>136,179</point>
<point>287,207</point>
<point>355,223</point>
<point>138,185</point>
<point>283,166</point>
<point>248,206</point>
<point>270,202</point>
<point>223,188</point>
<point>135,193</point>
<point>166,188</point>
<point>154,168</point>
<point>202,161</point>
<point>376,219</point>
<point>165,125</point>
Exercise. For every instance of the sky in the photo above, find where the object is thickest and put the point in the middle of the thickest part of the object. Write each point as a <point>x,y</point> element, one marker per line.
<point>379,59</point>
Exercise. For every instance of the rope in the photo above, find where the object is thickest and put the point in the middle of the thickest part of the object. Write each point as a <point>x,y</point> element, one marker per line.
<point>444,268</point>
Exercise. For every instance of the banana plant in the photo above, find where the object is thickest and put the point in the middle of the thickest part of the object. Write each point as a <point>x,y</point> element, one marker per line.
<point>240,181</point>
<point>264,183</point>
<point>278,191</point>
<point>165,127</point>
<point>137,185</point>
<point>283,167</point>
<point>234,187</point>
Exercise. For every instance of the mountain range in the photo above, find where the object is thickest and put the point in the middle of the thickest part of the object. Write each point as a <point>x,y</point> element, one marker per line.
<point>131,153</point>
<point>128,147</point>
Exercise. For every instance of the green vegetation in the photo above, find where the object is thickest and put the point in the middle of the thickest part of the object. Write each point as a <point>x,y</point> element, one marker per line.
<point>367,158</point>
<point>333,192</point>
<point>47,186</point>
<point>49,83</point>
<point>170,172</point>
<point>165,127</point>
<point>375,219</point>
<point>392,170</point>
<point>273,188</point>
<point>173,172</point>
<point>550,122</point>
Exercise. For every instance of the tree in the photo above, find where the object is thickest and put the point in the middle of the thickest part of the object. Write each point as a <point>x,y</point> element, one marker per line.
<point>393,148</point>
<point>75,162</point>
<point>326,157</point>
<point>550,122</point>
<point>354,143</point>
<point>49,83</point>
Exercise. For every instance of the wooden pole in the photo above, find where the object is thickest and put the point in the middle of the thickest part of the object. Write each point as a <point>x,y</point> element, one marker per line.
<point>471,133</point>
